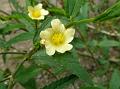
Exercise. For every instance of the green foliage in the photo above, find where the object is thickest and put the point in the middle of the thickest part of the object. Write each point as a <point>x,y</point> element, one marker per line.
<point>66,61</point>
<point>72,7</point>
<point>31,84</point>
<point>15,4</point>
<point>115,80</point>
<point>90,88</point>
<point>26,76</point>
<point>109,43</point>
<point>19,38</point>
<point>2,43</point>
<point>11,27</point>
<point>2,85</point>
<point>57,11</point>
<point>62,83</point>
<point>91,61</point>
<point>112,12</point>
<point>43,26</point>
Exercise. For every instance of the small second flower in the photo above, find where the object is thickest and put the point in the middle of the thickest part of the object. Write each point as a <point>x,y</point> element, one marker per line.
<point>37,12</point>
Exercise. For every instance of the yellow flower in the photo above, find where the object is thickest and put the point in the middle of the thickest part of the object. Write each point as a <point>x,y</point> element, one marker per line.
<point>37,12</point>
<point>57,38</point>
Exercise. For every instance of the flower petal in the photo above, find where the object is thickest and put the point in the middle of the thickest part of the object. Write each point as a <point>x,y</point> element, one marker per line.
<point>50,50</point>
<point>62,28</point>
<point>69,33</point>
<point>39,6</point>
<point>64,48</point>
<point>57,25</point>
<point>44,12</point>
<point>30,9</point>
<point>41,17</point>
<point>30,15</point>
<point>45,34</point>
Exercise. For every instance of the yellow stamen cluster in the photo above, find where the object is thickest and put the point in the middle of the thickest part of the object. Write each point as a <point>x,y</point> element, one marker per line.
<point>36,13</point>
<point>57,38</point>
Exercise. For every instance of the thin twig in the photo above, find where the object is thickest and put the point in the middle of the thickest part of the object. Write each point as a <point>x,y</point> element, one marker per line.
<point>5,79</point>
<point>13,53</point>
<point>80,21</point>
<point>52,74</point>
<point>4,12</point>
<point>28,56</point>
<point>84,55</point>
<point>36,24</point>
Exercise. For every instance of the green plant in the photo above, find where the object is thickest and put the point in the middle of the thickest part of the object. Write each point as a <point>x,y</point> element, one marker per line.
<point>92,44</point>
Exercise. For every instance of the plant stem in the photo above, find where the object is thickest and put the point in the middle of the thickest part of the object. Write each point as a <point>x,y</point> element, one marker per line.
<point>5,79</point>
<point>13,53</point>
<point>84,55</point>
<point>36,24</point>
<point>80,21</point>
<point>28,56</point>
<point>11,83</point>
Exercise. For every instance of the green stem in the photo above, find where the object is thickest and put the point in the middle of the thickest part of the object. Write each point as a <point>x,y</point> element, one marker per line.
<point>80,21</point>
<point>36,24</point>
<point>28,56</point>
<point>5,79</point>
<point>11,84</point>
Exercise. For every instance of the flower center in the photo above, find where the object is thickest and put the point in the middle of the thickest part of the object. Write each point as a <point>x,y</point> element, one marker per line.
<point>36,13</point>
<point>57,39</point>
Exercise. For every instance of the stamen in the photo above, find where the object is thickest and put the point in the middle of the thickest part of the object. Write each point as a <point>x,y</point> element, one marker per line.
<point>36,13</point>
<point>57,39</point>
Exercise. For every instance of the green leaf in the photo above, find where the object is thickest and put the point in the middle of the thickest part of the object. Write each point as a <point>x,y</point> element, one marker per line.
<point>41,58</point>
<point>67,61</point>
<point>15,15</point>
<point>115,80</point>
<point>91,88</point>
<point>24,19</point>
<point>112,12</point>
<point>27,24</point>
<point>2,43</point>
<point>2,85</point>
<point>62,83</point>
<point>31,84</point>
<point>11,27</point>
<point>26,74</point>
<point>109,43</point>
<point>77,43</point>
<point>104,67</point>
<point>72,7</point>
<point>58,11</point>
<point>21,37</point>
<point>83,15</point>
<point>15,4</point>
